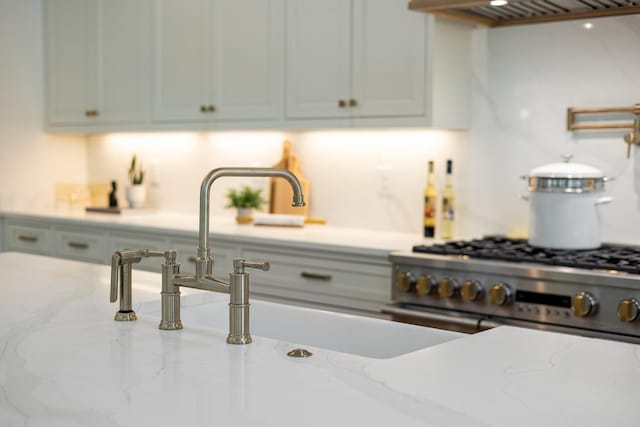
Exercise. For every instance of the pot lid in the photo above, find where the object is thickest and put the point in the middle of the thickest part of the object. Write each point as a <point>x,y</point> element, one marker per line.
<point>566,169</point>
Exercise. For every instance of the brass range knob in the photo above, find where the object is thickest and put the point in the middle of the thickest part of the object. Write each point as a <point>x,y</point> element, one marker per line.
<point>404,280</point>
<point>425,285</point>
<point>628,310</point>
<point>471,290</point>
<point>584,304</point>
<point>448,287</point>
<point>500,294</point>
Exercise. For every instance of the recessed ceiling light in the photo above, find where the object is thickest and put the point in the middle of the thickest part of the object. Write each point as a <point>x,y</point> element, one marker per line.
<point>498,2</point>
<point>588,25</point>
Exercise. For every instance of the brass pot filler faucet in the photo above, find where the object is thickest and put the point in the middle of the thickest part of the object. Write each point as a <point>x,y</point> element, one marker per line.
<point>238,286</point>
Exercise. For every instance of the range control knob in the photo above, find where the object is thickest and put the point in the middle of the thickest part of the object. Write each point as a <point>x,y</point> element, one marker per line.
<point>584,304</point>
<point>628,310</point>
<point>448,287</point>
<point>425,285</point>
<point>404,280</point>
<point>500,294</point>
<point>471,290</point>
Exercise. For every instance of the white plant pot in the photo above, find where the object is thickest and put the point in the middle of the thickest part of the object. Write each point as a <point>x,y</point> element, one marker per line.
<point>244,215</point>
<point>136,195</point>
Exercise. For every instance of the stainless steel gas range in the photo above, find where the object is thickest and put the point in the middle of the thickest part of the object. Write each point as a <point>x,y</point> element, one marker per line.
<point>478,284</point>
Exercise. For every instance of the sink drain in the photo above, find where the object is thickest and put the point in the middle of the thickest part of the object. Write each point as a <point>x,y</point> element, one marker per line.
<point>299,352</point>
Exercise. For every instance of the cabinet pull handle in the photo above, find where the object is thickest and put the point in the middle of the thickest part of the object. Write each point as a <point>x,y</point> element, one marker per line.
<point>91,113</point>
<point>78,245</point>
<point>342,103</point>
<point>87,113</point>
<point>353,103</point>
<point>192,259</point>
<point>203,109</point>
<point>29,239</point>
<point>211,109</point>
<point>315,276</point>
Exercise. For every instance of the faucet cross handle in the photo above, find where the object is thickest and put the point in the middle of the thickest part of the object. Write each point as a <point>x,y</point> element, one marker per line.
<point>240,264</point>
<point>121,268</point>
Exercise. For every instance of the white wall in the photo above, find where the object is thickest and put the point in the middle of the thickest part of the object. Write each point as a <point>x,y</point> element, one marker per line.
<point>525,78</point>
<point>342,167</point>
<point>31,162</point>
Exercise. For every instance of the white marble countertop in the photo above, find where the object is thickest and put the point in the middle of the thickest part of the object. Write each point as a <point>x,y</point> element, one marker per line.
<point>65,362</point>
<point>361,241</point>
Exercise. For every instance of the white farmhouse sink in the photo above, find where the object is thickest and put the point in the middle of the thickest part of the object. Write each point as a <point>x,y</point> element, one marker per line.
<point>344,333</point>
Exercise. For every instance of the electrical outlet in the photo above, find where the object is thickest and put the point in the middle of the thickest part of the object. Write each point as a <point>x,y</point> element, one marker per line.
<point>385,181</point>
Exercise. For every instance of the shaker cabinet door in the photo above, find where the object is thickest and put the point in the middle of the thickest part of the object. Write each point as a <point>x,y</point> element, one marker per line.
<point>181,91</point>
<point>123,47</point>
<point>388,59</point>
<point>70,60</point>
<point>96,58</point>
<point>247,57</point>
<point>318,58</point>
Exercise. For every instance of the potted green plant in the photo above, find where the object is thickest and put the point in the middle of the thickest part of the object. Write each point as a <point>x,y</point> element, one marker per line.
<point>136,191</point>
<point>245,201</point>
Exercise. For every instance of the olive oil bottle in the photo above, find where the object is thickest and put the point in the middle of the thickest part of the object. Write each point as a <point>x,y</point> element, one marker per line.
<point>430,197</point>
<point>448,204</point>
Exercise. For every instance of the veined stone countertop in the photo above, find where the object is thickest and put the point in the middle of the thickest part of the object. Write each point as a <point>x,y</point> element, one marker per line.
<point>361,241</point>
<point>65,362</point>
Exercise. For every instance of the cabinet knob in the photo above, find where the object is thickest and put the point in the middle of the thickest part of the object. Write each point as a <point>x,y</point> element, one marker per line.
<point>342,103</point>
<point>203,108</point>
<point>353,103</point>
<point>211,109</point>
<point>91,113</point>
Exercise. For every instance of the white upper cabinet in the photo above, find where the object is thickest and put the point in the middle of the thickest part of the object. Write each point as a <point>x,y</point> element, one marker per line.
<point>154,65</point>
<point>218,60</point>
<point>318,58</point>
<point>97,62</point>
<point>389,53</point>
<point>363,58</point>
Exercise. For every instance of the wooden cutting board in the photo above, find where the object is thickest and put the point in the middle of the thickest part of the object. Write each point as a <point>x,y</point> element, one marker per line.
<point>281,192</point>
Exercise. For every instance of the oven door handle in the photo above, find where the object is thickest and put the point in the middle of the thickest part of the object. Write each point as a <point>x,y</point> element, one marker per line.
<point>427,315</point>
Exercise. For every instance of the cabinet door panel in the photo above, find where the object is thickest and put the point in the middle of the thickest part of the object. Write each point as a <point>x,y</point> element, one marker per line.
<point>123,47</point>
<point>318,57</point>
<point>181,47</point>
<point>71,61</point>
<point>389,59</point>
<point>247,58</point>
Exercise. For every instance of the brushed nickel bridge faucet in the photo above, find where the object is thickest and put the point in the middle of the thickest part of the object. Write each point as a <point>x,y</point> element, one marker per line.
<point>172,280</point>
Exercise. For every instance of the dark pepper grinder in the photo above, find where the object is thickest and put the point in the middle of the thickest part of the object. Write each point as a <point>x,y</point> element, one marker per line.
<point>113,201</point>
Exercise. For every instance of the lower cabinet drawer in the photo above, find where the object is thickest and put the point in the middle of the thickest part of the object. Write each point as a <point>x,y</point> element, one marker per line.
<point>31,238</point>
<point>84,246</point>
<point>305,276</point>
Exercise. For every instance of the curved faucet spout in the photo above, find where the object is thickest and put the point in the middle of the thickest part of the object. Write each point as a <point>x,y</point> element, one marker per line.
<point>203,261</point>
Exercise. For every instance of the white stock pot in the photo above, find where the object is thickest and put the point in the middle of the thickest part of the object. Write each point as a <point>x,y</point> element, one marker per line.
<point>563,203</point>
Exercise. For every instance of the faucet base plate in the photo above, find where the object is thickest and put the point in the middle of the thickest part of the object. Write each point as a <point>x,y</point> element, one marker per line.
<point>125,316</point>
<point>239,339</point>
<point>168,325</point>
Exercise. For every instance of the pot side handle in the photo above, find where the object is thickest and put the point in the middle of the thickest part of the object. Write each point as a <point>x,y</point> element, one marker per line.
<point>603,200</point>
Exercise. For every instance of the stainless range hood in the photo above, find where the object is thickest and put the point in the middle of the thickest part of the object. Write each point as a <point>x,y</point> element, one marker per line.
<point>517,12</point>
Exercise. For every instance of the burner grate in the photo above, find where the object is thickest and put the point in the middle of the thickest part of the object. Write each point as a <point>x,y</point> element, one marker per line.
<point>607,257</point>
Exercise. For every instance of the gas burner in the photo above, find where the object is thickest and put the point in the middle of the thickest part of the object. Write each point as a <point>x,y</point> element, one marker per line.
<point>607,257</point>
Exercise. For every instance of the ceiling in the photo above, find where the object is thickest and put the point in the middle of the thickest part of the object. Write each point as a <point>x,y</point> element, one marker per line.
<point>524,11</point>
